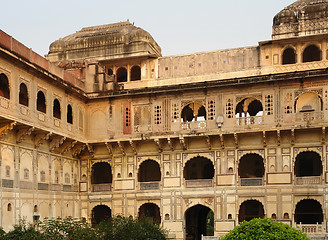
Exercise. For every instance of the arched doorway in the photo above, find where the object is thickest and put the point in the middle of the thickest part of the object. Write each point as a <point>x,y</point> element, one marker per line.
<point>150,212</point>
<point>251,169</point>
<point>149,171</point>
<point>308,211</point>
<point>101,177</point>
<point>198,168</point>
<point>199,221</point>
<point>250,209</point>
<point>308,164</point>
<point>289,56</point>
<point>100,213</point>
<point>311,53</point>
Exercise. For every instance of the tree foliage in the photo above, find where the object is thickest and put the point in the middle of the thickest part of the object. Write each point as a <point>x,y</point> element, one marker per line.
<point>264,229</point>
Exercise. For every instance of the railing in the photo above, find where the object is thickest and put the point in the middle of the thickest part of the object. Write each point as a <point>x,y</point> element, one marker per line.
<point>308,116</point>
<point>197,183</point>
<point>253,120</point>
<point>210,238</point>
<point>251,182</point>
<point>311,228</point>
<point>149,185</point>
<point>193,125</point>
<point>308,180</point>
<point>103,187</point>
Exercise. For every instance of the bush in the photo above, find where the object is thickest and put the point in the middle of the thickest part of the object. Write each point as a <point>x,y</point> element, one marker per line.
<point>22,231</point>
<point>119,228</point>
<point>264,229</point>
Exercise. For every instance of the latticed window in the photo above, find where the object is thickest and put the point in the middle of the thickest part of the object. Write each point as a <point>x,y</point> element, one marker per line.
<point>288,104</point>
<point>157,115</point>
<point>175,112</point>
<point>211,109</point>
<point>229,108</point>
<point>127,117</point>
<point>67,178</point>
<point>269,104</point>
<point>26,173</point>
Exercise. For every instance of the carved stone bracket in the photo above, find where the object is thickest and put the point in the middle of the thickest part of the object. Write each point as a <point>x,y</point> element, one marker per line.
<point>222,140</point>
<point>67,146</point>
<point>78,149</point>
<point>22,133</point>
<point>183,143</point>
<point>170,143</point>
<point>264,139</point>
<point>120,145</point>
<point>133,146</point>
<point>5,129</point>
<point>56,143</point>
<point>278,138</point>
<point>90,149</point>
<point>109,148</point>
<point>159,144</point>
<point>235,136</point>
<point>208,141</point>
<point>39,138</point>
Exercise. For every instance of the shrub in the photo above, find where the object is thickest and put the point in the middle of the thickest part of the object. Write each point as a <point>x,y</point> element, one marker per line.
<point>22,231</point>
<point>264,229</point>
<point>119,228</point>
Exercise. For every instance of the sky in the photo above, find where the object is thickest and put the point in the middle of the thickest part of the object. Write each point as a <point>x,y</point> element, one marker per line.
<point>178,26</point>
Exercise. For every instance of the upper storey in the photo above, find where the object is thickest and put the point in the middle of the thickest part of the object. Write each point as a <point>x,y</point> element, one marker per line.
<point>302,18</point>
<point>106,42</point>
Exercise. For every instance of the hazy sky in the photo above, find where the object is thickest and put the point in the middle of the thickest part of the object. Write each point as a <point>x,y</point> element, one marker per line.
<point>178,26</point>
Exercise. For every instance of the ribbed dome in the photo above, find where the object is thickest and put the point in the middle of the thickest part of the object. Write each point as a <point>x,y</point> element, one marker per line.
<point>105,42</point>
<point>304,17</point>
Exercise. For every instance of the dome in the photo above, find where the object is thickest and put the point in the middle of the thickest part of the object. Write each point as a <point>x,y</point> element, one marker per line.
<point>302,18</point>
<point>105,42</point>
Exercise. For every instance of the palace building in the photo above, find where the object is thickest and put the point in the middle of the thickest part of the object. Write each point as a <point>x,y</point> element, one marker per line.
<point>104,125</point>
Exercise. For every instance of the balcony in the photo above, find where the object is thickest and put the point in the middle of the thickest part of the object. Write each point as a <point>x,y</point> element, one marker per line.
<point>313,180</point>
<point>195,125</point>
<point>103,187</point>
<point>312,229</point>
<point>251,181</point>
<point>252,120</point>
<point>308,116</point>
<point>149,185</point>
<point>199,183</point>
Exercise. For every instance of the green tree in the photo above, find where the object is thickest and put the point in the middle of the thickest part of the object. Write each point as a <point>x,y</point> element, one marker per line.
<point>264,229</point>
<point>119,228</point>
<point>22,231</point>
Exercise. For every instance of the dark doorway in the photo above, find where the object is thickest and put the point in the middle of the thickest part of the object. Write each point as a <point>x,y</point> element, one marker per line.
<point>311,53</point>
<point>122,75</point>
<point>289,56</point>
<point>149,171</point>
<point>250,209</point>
<point>308,164</point>
<point>135,73</point>
<point>251,166</point>
<point>198,168</point>
<point>101,173</point>
<point>199,222</point>
<point>150,212</point>
<point>308,211</point>
<point>100,213</point>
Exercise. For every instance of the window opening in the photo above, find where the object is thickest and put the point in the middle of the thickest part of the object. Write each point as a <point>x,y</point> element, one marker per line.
<point>135,73</point>
<point>122,75</point>
<point>289,56</point>
<point>311,53</point>
<point>4,86</point>
<point>69,114</point>
<point>41,102</point>
<point>23,94</point>
<point>56,109</point>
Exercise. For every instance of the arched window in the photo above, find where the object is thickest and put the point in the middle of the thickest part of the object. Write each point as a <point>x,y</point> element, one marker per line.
<point>4,86</point>
<point>250,209</point>
<point>41,102</point>
<point>23,94</point>
<point>110,71</point>
<point>26,173</point>
<point>42,176</point>
<point>56,109</point>
<point>251,169</point>
<point>308,211</point>
<point>9,207</point>
<point>308,102</point>
<point>135,73</point>
<point>101,173</point>
<point>67,178</point>
<point>150,212</point>
<point>308,164</point>
<point>69,114</point>
<point>193,112</point>
<point>121,75</point>
<point>311,53</point>
<point>149,171</point>
<point>100,213</point>
<point>289,56</point>
<point>249,107</point>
